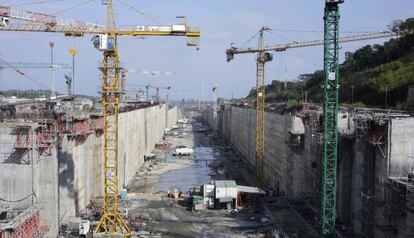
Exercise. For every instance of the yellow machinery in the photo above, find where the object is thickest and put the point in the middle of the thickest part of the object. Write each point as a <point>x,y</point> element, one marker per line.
<point>264,56</point>
<point>106,40</point>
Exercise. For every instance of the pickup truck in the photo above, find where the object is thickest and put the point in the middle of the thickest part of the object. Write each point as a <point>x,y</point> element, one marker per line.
<point>181,150</point>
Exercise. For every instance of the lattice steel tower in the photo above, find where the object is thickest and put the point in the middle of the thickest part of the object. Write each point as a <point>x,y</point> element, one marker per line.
<point>330,118</point>
<point>111,220</point>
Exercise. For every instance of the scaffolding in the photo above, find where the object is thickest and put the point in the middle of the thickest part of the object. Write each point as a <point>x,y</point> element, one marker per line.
<point>23,144</point>
<point>81,129</point>
<point>27,224</point>
<point>45,134</point>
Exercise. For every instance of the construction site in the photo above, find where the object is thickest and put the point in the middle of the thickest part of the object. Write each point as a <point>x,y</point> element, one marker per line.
<point>146,154</point>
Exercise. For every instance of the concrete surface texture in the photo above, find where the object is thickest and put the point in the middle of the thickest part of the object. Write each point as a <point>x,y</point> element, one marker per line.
<point>64,182</point>
<point>370,151</point>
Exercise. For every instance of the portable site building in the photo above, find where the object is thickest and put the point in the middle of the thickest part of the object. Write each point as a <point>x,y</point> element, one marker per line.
<point>225,193</point>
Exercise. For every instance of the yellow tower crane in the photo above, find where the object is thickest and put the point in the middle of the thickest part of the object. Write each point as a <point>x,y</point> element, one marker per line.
<point>264,56</point>
<point>106,40</point>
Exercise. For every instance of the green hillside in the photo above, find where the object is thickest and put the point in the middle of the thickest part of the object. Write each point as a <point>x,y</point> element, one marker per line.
<point>373,76</point>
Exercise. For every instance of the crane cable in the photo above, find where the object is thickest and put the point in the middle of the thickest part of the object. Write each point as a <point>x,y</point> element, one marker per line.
<point>250,39</point>
<point>283,37</point>
<point>139,12</point>
<point>74,6</point>
<point>35,3</point>
<point>24,75</point>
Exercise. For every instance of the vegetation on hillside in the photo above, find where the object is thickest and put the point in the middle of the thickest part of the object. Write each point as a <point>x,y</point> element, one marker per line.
<point>374,75</point>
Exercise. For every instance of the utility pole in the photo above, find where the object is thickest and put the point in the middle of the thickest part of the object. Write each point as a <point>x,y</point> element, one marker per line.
<point>215,102</point>
<point>330,117</point>
<point>352,94</point>
<point>167,106</point>
<point>147,92</point>
<point>73,52</point>
<point>52,66</point>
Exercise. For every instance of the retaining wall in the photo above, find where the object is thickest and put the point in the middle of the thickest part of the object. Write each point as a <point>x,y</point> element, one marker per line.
<point>292,163</point>
<point>66,181</point>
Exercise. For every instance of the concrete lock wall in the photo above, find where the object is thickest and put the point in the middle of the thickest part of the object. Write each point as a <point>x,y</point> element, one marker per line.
<point>139,131</point>
<point>292,163</point>
<point>286,169</point>
<point>66,181</point>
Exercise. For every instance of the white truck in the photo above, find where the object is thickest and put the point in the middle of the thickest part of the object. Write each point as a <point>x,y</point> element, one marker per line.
<point>182,150</point>
<point>4,21</point>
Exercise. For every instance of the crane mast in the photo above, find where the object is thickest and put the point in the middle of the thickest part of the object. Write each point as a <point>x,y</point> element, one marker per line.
<point>260,106</point>
<point>105,40</point>
<point>330,117</point>
<point>111,220</point>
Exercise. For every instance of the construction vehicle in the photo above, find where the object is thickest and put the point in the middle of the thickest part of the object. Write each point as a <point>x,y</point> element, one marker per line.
<point>4,21</point>
<point>182,150</point>
<point>106,40</point>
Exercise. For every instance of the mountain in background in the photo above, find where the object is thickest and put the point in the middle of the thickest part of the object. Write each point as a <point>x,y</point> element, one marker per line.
<point>372,76</point>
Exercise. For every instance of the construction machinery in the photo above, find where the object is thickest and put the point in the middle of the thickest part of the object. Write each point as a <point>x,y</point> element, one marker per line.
<point>264,56</point>
<point>69,81</point>
<point>105,40</point>
<point>331,43</point>
<point>31,65</point>
<point>283,47</point>
<point>330,117</point>
<point>152,73</point>
<point>158,92</point>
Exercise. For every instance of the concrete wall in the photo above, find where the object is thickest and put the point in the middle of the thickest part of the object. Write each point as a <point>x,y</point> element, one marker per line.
<point>292,163</point>
<point>139,131</point>
<point>287,167</point>
<point>66,181</point>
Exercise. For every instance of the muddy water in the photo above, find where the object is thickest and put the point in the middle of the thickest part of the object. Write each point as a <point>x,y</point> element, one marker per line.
<point>194,175</point>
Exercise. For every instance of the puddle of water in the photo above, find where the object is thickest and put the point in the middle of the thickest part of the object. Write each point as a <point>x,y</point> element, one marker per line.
<point>194,175</point>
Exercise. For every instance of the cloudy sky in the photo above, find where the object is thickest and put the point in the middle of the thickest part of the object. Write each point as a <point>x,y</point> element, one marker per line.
<point>221,21</point>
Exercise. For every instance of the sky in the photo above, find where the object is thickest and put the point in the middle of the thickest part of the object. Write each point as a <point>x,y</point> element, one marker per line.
<point>222,22</point>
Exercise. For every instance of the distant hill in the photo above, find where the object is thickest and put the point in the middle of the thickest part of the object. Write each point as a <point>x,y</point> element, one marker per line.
<point>34,93</point>
<point>366,76</point>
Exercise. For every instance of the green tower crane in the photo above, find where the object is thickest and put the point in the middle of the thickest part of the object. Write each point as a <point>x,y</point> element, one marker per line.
<point>330,117</point>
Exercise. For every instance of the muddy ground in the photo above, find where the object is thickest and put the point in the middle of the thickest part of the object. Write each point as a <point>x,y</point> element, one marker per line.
<point>158,216</point>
